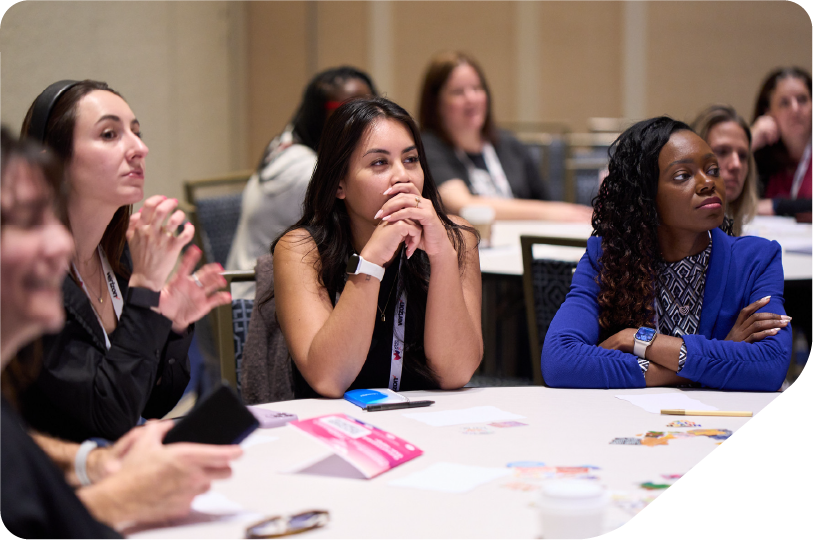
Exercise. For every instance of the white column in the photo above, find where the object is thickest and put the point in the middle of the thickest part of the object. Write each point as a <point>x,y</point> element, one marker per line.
<point>381,45</point>
<point>528,80</point>
<point>634,62</point>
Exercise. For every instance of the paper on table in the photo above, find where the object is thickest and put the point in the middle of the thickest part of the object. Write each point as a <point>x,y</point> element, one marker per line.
<point>673,400</point>
<point>208,507</point>
<point>451,477</point>
<point>472,415</point>
<point>213,502</point>
<point>256,438</point>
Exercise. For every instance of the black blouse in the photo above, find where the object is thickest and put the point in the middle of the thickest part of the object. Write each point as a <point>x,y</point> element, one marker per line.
<point>375,373</point>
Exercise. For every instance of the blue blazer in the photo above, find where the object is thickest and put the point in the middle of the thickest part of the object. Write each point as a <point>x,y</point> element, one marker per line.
<point>741,271</point>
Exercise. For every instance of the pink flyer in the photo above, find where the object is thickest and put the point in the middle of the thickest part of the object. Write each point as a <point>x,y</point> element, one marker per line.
<point>368,449</point>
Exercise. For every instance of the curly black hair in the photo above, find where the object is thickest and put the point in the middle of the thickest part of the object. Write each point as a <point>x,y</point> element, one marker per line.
<point>626,219</point>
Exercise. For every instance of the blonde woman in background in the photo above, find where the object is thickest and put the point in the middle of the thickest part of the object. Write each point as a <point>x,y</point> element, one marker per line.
<point>728,135</point>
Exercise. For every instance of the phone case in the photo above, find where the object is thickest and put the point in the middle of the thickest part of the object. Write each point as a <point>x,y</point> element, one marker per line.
<point>219,418</point>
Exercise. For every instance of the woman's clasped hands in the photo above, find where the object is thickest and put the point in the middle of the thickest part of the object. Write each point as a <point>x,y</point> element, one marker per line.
<point>155,247</point>
<point>407,217</point>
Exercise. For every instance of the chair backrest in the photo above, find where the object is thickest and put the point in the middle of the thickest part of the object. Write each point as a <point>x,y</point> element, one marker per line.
<point>549,153</point>
<point>587,157</point>
<point>266,372</point>
<point>231,321</point>
<point>546,283</point>
<point>214,209</point>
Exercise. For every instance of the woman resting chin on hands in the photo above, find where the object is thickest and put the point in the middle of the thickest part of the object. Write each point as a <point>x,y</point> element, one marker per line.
<point>122,353</point>
<point>375,286</point>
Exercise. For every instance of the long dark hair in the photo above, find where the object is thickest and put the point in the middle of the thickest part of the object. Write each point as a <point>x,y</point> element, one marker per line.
<point>626,219</point>
<point>744,207</point>
<point>325,216</point>
<point>24,368</point>
<point>309,119</point>
<point>775,157</point>
<point>439,70</point>
<point>59,139</point>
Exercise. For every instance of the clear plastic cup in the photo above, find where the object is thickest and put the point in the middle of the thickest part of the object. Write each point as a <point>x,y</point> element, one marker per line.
<point>481,217</point>
<point>572,508</point>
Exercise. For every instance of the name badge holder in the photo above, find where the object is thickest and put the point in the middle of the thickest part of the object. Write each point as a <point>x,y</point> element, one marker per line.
<point>112,288</point>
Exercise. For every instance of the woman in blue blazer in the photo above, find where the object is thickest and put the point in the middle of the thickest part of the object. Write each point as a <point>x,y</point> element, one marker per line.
<point>662,296</point>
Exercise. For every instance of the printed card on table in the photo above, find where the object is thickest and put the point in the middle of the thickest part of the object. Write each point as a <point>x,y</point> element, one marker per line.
<point>357,449</point>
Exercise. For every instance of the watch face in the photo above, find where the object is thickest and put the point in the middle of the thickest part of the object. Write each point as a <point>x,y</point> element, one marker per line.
<point>644,334</point>
<point>353,264</point>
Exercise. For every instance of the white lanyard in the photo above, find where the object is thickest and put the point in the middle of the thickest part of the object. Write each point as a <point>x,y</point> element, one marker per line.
<point>398,335</point>
<point>112,287</point>
<point>491,183</point>
<point>801,169</point>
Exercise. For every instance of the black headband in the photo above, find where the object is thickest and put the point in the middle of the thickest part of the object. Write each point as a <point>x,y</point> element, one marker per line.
<point>42,108</point>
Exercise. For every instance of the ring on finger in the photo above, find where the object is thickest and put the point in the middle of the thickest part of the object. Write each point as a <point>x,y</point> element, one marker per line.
<point>417,202</point>
<point>167,232</point>
<point>196,280</point>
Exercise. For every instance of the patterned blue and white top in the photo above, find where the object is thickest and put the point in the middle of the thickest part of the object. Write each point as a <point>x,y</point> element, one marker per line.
<point>679,299</point>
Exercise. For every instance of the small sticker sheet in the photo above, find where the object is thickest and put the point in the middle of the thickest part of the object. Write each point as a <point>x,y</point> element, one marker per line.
<point>683,423</point>
<point>633,441</point>
<point>476,430</point>
<point>509,423</point>
<point>651,485</point>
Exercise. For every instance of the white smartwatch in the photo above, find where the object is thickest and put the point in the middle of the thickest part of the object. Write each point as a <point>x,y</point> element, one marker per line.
<point>643,339</point>
<point>357,265</point>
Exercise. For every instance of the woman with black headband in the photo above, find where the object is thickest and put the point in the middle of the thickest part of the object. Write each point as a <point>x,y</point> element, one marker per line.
<point>122,354</point>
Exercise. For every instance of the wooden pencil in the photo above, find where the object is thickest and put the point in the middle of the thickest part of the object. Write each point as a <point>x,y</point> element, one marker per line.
<point>684,412</point>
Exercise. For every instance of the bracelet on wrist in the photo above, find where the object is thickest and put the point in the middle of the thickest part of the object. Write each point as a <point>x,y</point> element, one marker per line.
<point>80,462</point>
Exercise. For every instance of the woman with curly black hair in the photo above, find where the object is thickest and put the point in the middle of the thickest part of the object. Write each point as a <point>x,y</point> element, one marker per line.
<point>663,296</point>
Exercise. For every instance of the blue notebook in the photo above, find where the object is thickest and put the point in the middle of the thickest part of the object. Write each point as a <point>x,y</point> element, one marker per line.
<point>373,396</point>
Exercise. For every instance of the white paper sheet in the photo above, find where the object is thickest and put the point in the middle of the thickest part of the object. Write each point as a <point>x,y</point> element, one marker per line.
<point>473,415</point>
<point>673,400</point>
<point>256,438</point>
<point>451,477</point>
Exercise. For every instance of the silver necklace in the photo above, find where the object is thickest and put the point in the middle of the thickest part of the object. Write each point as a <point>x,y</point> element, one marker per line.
<point>389,295</point>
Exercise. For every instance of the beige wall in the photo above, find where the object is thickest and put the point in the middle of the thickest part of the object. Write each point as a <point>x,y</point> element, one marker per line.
<point>180,65</point>
<point>588,59</point>
<point>212,82</point>
<point>720,52</point>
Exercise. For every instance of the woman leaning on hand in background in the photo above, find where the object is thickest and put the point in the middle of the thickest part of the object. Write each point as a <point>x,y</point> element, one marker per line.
<point>472,161</point>
<point>781,145</point>
<point>663,296</point>
<point>122,353</point>
<point>375,285</point>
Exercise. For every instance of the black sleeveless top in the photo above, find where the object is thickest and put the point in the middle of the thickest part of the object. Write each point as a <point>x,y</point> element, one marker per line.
<point>375,373</point>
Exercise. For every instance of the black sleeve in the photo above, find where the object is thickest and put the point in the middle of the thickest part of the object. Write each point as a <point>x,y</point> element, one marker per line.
<point>791,207</point>
<point>95,392</point>
<point>36,502</point>
<point>442,162</point>
<point>173,375</point>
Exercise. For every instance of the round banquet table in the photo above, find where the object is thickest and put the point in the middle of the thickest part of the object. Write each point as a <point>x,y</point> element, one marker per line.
<point>565,428</point>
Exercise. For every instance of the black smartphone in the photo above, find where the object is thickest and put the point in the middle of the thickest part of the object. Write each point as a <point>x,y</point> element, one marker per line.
<point>219,418</point>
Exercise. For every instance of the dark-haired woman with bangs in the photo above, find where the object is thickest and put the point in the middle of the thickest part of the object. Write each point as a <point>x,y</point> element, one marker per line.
<point>375,286</point>
<point>663,296</point>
